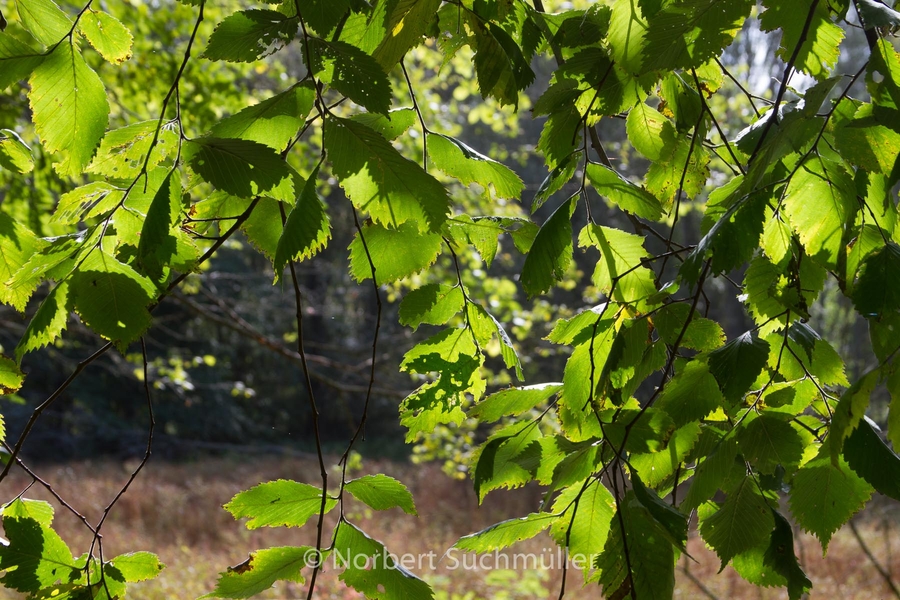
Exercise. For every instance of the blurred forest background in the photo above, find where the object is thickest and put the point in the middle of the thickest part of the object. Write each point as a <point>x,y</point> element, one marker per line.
<point>227,382</point>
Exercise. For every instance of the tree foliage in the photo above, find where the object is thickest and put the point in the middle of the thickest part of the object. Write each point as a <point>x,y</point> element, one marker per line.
<point>659,413</point>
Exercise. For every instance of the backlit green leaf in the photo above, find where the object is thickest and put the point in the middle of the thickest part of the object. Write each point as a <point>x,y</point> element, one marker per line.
<point>819,200</point>
<point>744,521</point>
<point>15,154</point>
<point>380,181</point>
<point>307,229</point>
<point>405,25</point>
<point>505,534</point>
<point>625,194</point>
<point>825,495</point>
<point>241,167</point>
<point>469,166</point>
<point>249,35</point>
<point>107,35</point>
<point>45,20</point>
<point>262,569</point>
<point>273,122</point>
<point>381,492</point>
<point>737,364</point>
<point>434,303</point>
<point>395,253</point>
<point>551,253</point>
<point>818,52</point>
<point>385,579</point>
<point>70,108</point>
<point>112,298</point>
<point>280,503</point>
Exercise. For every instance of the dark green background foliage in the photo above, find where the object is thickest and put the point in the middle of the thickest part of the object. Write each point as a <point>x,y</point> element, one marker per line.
<point>644,254</point>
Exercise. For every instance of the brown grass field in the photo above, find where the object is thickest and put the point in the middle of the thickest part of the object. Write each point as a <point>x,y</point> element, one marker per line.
<point>175,511</point>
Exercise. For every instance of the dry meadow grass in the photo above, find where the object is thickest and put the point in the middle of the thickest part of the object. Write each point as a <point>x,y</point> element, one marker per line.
<point>175,510</point>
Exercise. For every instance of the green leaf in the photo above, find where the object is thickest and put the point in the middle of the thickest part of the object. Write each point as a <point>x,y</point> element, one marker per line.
<point>687,34</point>
<point>819,201</point>
<point>405,25</point>
<point>875,14</point>
<point>158,246</point>
<point>35,556</point>
<point>701,333</point>
<point>263,227</point>
<point>262,569</point>
<point>395,253</point>
<point>453,354</point>
<point>381,493</point>
<point>495,464</point>
<point>40,511</point>
<point>820,37</point>
<point>485,326</point>
<point>306,230</point>
<point>870,457</point>
<point>716,471</point>
<point>560,138</point>
<point>354,73</point>
<point>390,126</point>
<point>686,169</point>
<point>850,410</point>
<point>69,108</point>
<point>744,521</point>
<point>620,271</point>
<point>138,566</point>
<point>380,181</point>
<point>551,252</point>
<point>15,154</point>
<point>273,122</point>
<point>249,35</point>
<point>780,557</point>
<point>768,441</point>
<point>505,534</point>
<point>825,495</point>
<point>17,245</point>
<point>385,579</point>
<point>691,395</point>
<point>874,294</point>
<point>281,503</point>
<point>737,364</point>
<point>241,168</point>
<point>672,520</point>
<point>469,166</point>
<point>323,15</point>
<point>655,468</point>
<point>625,194</point>
<point>649,429</point>
<point>513,401</point>
<point>869,140</point>
<point>123,151</point>
<point>585,521</point>
<point>45,20</point>
<point>651,556</point>
<point>500,66</point>
<point>107,35</point>
<point>88,200</point>
<point>48,322</point>
<point>627,35</point>
<point>17,61</point>
<point>433,303</point>
<point>650,132</point>
<point>112,298</point>
<point>11,377</point>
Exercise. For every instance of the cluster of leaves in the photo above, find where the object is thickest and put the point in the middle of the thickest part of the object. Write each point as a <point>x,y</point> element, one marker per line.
<point>653,398</point>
